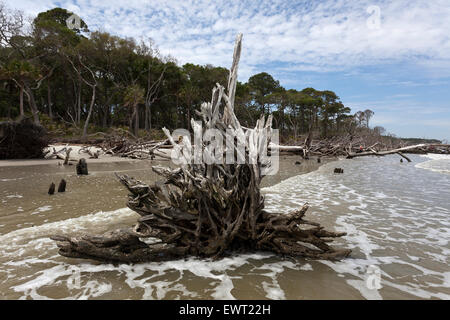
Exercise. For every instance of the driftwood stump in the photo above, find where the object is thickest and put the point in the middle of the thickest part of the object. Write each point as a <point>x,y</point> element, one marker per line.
<point>62,186</point>
<point>207,209</point>
<point>82,168</point>
<point>51,189</point>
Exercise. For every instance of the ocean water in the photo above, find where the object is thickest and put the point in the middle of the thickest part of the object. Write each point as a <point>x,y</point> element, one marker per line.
<point>397,216</point>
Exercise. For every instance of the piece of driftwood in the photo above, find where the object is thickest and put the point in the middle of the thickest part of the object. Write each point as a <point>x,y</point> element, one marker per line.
<point>51,189</point>
<point>67,157</point>
<point>62,154</point>
<point>403,156</point>
<point>131,147</point>
<point>92,154</point>
<point>82,168</point>
<point>206,208</point>
<point>419,148</point>
<point>62,186</point>
<point>294,149</point>
<point>350,146</point>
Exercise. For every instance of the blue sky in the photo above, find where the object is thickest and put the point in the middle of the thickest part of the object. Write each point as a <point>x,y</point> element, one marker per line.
<point>392,57</point>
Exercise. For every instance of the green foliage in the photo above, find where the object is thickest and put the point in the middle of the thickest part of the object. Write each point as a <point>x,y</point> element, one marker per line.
<point>59,66</point>
<point>57,17</point>
<point>134,95</point>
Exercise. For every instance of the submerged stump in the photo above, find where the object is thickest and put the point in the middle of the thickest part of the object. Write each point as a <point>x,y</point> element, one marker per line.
<point>205,208</point>
<point>51,189</point>
<point>82,168</point>
<point>62,186</point>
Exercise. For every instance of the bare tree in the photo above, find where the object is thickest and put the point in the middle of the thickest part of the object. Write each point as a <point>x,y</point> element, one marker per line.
<point>379,130</point>
<point>153,83</point>
<point>368,114</point>
<point>11,24</point>
<point>359,117</point>
<point>91,83</point>
<point>133,97</point>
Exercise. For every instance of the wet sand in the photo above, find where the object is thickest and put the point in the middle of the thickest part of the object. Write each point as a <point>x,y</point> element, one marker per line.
<point>91,204</point>
<point>24,185</point>
<point>393,224</point>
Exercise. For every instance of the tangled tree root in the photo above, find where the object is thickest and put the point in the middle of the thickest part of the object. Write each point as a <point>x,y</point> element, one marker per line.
<point>206,209</point>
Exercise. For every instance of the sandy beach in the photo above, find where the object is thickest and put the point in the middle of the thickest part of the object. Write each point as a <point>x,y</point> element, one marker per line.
<point>379,217</point>
<point>75,155</point>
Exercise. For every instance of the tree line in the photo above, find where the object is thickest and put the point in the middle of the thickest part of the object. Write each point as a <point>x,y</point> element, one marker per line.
<point>92,80</point>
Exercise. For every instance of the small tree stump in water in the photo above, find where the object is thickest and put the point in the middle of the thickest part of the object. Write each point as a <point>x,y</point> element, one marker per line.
<point>62,186</point>
<point>339,170</point>
<point>66,160</point>
<point>82,167</point>
<point>318,160</point>
<point>51,190</point>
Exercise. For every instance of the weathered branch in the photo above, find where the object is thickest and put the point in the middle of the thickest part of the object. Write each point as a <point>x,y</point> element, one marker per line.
<point>422,148</point>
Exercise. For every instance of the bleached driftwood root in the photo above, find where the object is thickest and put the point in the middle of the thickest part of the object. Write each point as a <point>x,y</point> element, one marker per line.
<point>208,209</point>
<point>62,154</point>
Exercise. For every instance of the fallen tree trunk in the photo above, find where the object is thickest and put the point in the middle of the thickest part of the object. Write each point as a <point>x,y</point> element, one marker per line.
<point>206,208</point>
<point>295,149</point>
<point>419,148</point>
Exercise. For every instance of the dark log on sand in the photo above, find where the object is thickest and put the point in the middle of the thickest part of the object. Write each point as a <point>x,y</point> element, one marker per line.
<point>82,168</point>
<point>62,186</point>
<point>51,189</point>
<point>205,209</point>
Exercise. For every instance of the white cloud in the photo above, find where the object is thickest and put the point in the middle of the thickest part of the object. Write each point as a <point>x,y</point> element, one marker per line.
<point>307,35</point>
<point>291,39</point>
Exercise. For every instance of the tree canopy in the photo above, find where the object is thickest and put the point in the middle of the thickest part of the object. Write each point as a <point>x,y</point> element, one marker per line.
<point>96,80</point>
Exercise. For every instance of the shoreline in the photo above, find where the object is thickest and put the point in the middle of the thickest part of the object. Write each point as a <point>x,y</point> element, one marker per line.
<point>74,157</point>
<point>37,162</point>
<point>289,169</point>
<point>305,167</point>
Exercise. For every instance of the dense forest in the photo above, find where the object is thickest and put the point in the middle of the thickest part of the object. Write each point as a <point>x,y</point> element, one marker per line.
<point>78,82</point>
